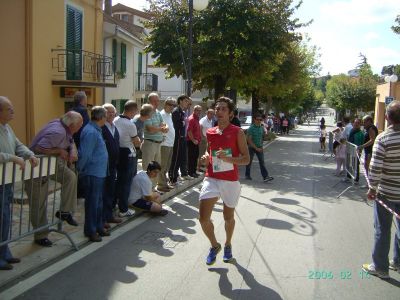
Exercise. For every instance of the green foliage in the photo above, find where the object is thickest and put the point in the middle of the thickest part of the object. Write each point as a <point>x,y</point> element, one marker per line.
<point>390,70</point>
<point>396,28</point>
<point>239,44</point>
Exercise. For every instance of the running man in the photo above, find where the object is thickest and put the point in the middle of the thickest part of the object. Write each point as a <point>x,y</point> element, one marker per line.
<point>226,149</point>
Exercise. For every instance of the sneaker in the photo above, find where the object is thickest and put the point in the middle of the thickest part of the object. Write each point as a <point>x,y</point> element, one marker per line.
<point>162,212</point>
<point>212,255</point>
<point>187,177</point>
<point>268,178</point>
<point>370,269</point>
<point>248,178</point>
<point>128,213</point>
<point>394,266</point>
<point>227,254</point>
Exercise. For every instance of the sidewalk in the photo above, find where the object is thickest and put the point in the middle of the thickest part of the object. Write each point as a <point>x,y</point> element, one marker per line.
<point>35,257</point>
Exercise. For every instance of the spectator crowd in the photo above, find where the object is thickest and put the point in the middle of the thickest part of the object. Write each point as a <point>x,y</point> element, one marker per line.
<point>98,160</point>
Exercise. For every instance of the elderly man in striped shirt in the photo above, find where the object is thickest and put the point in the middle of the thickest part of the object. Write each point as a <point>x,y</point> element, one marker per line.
<point>384,184</point>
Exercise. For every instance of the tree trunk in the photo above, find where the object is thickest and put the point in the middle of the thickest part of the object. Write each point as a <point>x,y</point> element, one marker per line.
<point>268,106</point>
<point>255,102</point>
<point>219,86</point>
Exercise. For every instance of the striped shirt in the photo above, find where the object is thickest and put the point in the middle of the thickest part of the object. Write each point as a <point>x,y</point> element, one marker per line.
<point>384,170</point>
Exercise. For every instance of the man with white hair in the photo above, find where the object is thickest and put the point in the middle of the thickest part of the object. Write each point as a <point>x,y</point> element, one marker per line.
<point>111,138</point>
<point>384,185</point>
<point>55,138</point>
<point>11,150</point>
<point>154,129</point>
<point>166,146</point>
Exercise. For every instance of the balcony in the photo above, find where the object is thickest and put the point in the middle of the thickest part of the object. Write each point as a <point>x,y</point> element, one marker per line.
<point>146,82</point>
<point>80,68</point>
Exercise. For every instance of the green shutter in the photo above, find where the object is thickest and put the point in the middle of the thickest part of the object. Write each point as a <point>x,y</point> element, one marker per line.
<point>114,54</point>
<point>123,58</point>
<point>74,43</point>
<point>140,66</point>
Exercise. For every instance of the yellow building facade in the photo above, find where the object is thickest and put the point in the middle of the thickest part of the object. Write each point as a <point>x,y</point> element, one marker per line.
<point>50,49</point>
<point>382,91</point>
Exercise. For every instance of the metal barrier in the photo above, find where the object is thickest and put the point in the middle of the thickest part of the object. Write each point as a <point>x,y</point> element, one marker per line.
<point>330,147</point>
<point>352,164</point>
<point>37,214</point>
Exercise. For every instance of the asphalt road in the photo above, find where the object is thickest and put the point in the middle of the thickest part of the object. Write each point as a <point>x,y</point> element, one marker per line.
<point>293,240</point>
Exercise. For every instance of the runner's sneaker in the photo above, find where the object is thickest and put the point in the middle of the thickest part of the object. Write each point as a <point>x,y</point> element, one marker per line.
<point>393,266</point>
<point>128,213</point>
<point>212,255</point>
<point>249,178</point>
<point>227,254</point>
<point>370,269</point>
<point>268,178</point>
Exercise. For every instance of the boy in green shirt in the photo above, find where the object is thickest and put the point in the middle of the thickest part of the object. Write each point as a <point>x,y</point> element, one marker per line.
<point>255,143</point>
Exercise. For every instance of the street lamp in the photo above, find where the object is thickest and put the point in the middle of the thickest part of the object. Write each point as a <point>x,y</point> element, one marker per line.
<point>197,5</point>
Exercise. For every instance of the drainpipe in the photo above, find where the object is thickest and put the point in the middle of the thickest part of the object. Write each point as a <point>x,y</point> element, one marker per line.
<point>104,54</point>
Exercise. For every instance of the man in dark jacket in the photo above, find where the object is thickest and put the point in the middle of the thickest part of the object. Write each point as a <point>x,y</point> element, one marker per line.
<point>179,154</point>
<point>111,138</point>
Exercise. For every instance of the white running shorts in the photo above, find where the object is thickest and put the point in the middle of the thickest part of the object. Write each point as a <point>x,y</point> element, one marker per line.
<point>228,191</point>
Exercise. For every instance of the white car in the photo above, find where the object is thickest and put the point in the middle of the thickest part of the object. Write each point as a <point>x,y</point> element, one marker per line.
<point>247,122</point>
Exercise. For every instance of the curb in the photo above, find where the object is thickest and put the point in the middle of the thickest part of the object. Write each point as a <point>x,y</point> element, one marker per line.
<point>39,259</point>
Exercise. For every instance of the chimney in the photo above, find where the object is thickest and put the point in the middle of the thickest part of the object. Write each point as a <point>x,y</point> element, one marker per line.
<point>108,7</point>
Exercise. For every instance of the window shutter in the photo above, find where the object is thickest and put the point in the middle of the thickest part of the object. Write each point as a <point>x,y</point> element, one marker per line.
<point>123,58</point>
<point>74,44</point>
<point>114,54</point>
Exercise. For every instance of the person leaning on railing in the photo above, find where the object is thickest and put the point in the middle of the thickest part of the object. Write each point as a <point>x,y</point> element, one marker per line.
<point>11,150</point>
<point>55,138</point>
<point>384,185</point>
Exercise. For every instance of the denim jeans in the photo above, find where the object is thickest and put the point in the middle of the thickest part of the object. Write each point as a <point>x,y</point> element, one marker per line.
<point>383,225</point>
<point>93,187</point>
<point>109,193</point>
<point>6,196</point>
<point>127,169</point>
<point>260,156</point>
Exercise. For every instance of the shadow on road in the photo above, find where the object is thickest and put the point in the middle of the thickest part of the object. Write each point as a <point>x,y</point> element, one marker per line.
<point>255,290</point>
<point>305,228</point>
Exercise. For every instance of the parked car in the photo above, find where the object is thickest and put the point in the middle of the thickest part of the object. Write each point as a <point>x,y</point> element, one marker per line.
<point>246,122</point>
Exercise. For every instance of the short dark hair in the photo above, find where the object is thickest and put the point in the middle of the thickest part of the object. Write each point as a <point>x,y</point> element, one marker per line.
<point>181,98</point>
<point>339,124</point>
<point>346,119</point>
<point>256,115</point>
<point>97,113</point>
<point>153,165</point>
<point>228,101</point>
<point>78,97</point>
<point>393,112</point>
<point>130,105</point>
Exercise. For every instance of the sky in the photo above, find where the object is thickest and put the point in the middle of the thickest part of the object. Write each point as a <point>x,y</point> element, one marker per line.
<point>342,29</point>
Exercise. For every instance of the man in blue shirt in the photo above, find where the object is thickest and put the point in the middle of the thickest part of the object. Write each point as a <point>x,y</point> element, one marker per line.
<point>92,165</point>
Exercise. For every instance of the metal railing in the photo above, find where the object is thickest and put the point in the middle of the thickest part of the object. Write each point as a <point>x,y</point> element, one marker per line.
<point>78,64</point>
<point>28,199</point>
<point>146,82</point>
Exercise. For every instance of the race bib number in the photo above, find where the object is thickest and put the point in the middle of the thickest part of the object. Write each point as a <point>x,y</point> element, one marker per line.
<point>218,164</point>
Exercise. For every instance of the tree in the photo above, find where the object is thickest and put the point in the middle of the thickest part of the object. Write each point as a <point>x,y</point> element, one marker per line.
<point>235,41</point>
<point>396,28</point>
<point>344,92</point>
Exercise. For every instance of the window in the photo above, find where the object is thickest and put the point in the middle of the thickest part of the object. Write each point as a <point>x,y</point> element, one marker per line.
<point>125,18</point>
<point>74,43</point>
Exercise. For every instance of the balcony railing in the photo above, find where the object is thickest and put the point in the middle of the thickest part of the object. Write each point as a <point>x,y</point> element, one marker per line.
<point>82,66</point>
<point>146,82</point>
